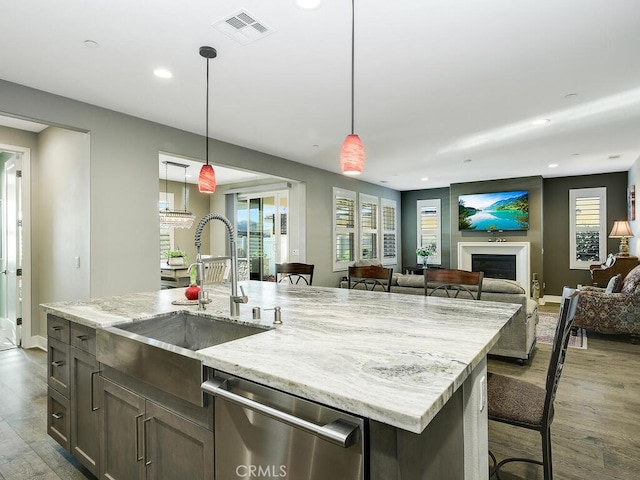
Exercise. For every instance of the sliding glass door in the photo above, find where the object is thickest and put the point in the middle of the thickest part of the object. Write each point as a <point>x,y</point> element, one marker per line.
<point>261,220</point>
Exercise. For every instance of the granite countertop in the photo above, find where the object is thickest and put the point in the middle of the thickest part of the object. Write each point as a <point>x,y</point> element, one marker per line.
<point>393,358</point>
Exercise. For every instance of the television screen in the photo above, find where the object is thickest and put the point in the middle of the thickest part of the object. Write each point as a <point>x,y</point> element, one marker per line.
<point>494,211</point>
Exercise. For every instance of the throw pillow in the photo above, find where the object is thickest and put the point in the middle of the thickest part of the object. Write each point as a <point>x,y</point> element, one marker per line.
<point>499,285</point>
<point>416,281</point>
<point>614,285</point>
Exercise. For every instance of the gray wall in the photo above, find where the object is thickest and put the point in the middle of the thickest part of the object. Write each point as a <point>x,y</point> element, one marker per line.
<point>410,223</point>
<point>450,233</point>
<point>123,177</point>
<point>634,179</point>
<point>556,225</point>
<point>534,235</point>
<point>60,174</point>
<point>550,228</point>
<point>198,204</point>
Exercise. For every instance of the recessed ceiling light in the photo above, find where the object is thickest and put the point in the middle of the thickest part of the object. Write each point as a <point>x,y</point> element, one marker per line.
<point>424,179</point>
<point>614,157</point>
<point>384,181</point>
<point>571,95</point>
<point>540,121</point>
<point>468,160</point>
<point>308,4</point>
<point>575,154</point>
<point>162,73</point>
<point>553,165</point>
<point>91,44</point>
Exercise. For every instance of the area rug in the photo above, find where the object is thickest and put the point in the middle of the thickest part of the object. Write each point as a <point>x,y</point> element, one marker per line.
<point>546,330</point>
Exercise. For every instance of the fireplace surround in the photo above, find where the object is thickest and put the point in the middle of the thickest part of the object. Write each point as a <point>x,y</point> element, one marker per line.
<point>521,250</point>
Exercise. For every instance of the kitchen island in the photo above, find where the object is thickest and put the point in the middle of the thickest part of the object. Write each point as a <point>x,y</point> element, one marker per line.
<point>413,367</point>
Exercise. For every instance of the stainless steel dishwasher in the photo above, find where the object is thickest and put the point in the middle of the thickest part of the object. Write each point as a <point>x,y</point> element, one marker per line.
<point>264,433</point>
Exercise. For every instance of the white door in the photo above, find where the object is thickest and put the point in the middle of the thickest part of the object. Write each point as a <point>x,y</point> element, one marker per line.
<point>10,250</point>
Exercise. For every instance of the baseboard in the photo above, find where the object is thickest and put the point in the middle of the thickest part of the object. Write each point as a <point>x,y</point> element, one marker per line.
<point>551,299</point>
<point>36,342</point>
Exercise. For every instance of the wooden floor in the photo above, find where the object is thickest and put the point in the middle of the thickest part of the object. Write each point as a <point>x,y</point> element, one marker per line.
<point>596,429</point>
<point>595,434</point>
<point>26,451</point>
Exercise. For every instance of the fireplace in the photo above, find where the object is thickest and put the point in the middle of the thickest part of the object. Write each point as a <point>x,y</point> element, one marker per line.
<point>519,250</point>
<point>494,266</point>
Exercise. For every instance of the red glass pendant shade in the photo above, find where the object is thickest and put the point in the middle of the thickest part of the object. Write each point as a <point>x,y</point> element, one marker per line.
<point>352,155</point>
<point>207,179</point>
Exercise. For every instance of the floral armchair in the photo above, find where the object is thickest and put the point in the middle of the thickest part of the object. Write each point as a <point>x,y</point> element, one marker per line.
<point>613,313</point>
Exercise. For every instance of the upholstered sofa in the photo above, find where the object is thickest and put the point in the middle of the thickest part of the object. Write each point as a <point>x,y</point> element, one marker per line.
<point>518,339</point>
<point>614,310</point>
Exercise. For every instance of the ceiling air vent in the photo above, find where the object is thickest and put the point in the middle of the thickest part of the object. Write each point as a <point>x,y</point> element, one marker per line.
<point>243,27</point>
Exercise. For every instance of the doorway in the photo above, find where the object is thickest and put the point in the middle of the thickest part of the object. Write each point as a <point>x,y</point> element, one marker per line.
<point>11,249</point>
<point>263,241</point>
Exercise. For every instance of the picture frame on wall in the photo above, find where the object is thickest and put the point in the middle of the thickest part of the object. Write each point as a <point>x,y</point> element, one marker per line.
<point>631,202</point>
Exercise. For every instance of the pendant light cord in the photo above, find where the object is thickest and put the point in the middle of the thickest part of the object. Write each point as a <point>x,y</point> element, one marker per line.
<point>185,188</point>
<point>166,185</point>
<point>206,133</point>
<point>353,41</point>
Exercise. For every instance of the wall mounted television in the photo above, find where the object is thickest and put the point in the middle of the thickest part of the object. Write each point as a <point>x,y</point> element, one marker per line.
<point>500,211</point>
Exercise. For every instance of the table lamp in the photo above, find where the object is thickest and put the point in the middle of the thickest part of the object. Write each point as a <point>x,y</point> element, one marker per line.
<point>622,230</point>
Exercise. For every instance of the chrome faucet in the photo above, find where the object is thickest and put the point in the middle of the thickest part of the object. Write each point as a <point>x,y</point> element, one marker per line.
<point>235,300</point>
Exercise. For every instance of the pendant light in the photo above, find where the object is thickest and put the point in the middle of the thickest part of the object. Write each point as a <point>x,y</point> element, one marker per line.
<point>175,218</point>
<point>352,153</point>
<point>207,177</point>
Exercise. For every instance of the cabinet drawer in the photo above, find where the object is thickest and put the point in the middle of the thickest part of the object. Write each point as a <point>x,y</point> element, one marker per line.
<point>58,328</point>
<point>84,338</point>
<point>58,366</point>
<point>58,419</point>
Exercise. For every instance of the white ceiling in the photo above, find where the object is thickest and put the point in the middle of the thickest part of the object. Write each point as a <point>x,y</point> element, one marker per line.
<point>444,89</point>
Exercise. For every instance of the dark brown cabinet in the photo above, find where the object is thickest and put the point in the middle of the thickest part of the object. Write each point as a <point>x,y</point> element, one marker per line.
<point>85,415</point>
<point>72,412</point>
<point>144,440</point>
<point>120,429</point>
<point>602,273</point>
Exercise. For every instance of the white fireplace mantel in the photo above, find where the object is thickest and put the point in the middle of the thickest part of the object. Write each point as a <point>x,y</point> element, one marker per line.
<point>519,249</point>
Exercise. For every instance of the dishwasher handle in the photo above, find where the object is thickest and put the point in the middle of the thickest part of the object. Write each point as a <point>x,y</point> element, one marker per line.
<point>339,432</point>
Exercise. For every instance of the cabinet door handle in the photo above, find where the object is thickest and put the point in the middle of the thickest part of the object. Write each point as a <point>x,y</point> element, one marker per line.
<point>57,363</point>
<point>138,457</point>
<point>82,338</point>
<point>147,462</point>
<point>93,408</point>
<point>56,328</point>
<point>57,416</point>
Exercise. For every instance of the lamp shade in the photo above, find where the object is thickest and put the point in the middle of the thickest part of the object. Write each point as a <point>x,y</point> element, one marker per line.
<point>352,155</point>
<point>621,229</point>
<point>207,179</point>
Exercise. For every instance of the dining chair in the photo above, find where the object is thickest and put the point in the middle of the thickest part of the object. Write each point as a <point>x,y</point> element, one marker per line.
<point>216,270</point>
<point>370,277</point>
<point>453,283</point>
<point>523,404</point>
<point>294,273</point>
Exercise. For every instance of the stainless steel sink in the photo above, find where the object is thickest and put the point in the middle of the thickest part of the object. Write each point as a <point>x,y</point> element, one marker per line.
<point>193,332</point>
<point>160,351</point>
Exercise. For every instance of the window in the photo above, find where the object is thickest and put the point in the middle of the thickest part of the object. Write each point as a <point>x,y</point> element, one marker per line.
<point>344,228</point>
<point>389,232</point>
<point>429,228</point>
<point>587,226</point>
<point>368,227</point>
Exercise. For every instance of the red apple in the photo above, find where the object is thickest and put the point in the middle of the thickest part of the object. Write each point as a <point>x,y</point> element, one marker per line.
<point>192,292</point>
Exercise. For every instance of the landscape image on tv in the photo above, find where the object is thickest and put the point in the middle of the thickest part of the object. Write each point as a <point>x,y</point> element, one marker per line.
<point>494,211</point>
